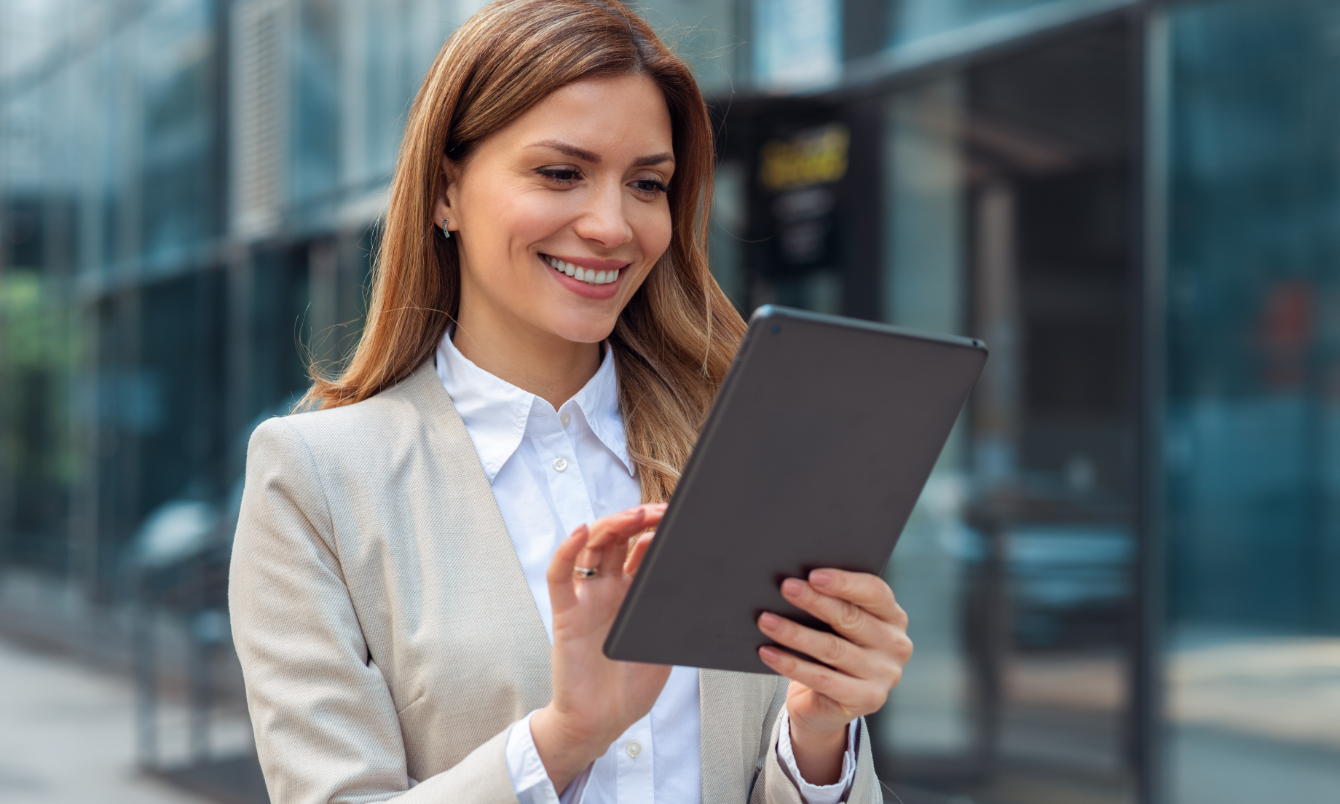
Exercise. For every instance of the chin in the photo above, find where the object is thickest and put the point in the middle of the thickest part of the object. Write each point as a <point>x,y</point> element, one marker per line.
<point>583,327</point>
<point>585,334</point>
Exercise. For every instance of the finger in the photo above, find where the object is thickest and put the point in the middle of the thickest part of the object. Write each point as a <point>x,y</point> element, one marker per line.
<point>618,527</point>
<point>562,593</point>
<point>638,553</point>
<point>590,558</point>
<point>848,619</point>
<point>830,649</point>
<point>611,559</point>
<point>870,592</point>
<point>855,697</point>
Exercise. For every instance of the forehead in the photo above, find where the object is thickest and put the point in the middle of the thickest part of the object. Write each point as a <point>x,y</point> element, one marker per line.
<point>616,117</point>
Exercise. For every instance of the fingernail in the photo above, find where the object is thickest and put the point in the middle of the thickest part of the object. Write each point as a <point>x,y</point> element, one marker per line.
<point>769,620</point>
<point>768,653</point>
<point>792,587</point>
<point>821,578</point>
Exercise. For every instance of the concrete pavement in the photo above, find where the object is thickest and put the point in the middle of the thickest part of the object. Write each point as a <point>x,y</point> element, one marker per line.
<point>67,735</point>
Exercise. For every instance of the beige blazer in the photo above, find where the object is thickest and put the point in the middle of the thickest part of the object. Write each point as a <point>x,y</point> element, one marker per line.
<point>385,629</point>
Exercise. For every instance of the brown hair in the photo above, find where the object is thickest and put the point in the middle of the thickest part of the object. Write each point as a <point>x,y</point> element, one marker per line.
<point>673,342</point>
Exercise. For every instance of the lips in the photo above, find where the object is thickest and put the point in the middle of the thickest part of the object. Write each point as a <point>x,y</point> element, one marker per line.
<point>588,275</point>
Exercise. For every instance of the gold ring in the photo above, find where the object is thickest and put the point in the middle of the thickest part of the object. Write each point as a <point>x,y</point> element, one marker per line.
<point>583,572</point>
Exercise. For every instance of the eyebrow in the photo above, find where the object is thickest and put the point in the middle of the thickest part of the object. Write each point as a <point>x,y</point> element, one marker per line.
<point>594,158</point>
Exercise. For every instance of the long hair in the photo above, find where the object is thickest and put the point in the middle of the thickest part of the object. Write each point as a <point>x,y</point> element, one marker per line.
<point>674,341</point>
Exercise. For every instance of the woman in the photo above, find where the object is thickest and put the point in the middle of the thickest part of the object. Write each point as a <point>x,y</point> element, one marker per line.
<point>426,567</point>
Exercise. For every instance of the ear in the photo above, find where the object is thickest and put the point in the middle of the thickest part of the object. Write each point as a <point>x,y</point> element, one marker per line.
<point>447,190</point>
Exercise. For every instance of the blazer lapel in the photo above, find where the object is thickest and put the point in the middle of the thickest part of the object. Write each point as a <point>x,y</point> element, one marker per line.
<point>498,553</point>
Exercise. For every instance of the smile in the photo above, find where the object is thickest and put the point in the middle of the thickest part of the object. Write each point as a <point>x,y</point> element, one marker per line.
<point>587,275</point>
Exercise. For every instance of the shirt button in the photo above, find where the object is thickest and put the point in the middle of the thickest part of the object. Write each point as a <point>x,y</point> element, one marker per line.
<point>565,417</point>
<point>633,748</point>
<point>560,464</point>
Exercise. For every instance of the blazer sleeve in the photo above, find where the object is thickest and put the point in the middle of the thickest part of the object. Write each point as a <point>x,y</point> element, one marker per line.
<point>773,786</point>
<point>326,726</point>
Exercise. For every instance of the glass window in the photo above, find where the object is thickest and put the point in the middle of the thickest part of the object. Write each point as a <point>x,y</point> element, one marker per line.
<point>797,43</point>
<point>1253,401</point>
<point>178,73</point>
<point>40,462</point>
<point>389,88</point>
<point>726,242</point>
<point>703,32</point>
<point>316,113</point>
<point>930,715</point>
<point>1007,216</point>
<point>912,20</point>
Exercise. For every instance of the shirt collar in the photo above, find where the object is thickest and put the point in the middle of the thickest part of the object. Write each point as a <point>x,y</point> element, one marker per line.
<point>495,412</point>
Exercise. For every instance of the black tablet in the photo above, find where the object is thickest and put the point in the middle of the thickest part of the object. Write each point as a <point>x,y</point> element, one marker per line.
<point>816,449</point>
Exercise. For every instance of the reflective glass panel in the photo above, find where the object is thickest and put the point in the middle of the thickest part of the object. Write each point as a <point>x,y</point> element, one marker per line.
<point>704,32</point>
<point>178,82</point>
<point>1007,216</point>
<point>912,20</point>
<point>1252,457</point>
<point>317,104</point>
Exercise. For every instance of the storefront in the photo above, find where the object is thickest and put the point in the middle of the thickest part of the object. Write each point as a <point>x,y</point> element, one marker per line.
<point>1123,567</point>
<point>998,194</point>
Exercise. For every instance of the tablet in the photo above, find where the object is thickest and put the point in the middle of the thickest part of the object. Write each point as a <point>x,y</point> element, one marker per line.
<point>817,447</point>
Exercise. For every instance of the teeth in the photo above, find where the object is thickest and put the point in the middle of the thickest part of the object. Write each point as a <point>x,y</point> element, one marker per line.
<point>588,275</point>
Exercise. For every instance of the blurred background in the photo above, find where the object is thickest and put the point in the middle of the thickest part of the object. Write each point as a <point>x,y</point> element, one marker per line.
<point>1124,575</point>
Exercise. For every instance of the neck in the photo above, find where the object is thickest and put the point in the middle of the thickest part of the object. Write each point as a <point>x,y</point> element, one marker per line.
<point>540,363</point>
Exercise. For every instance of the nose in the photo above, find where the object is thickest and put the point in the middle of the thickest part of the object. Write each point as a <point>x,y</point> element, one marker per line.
<point>602,220</point>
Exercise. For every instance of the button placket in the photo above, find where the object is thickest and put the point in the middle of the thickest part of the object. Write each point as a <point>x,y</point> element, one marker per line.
<point>635,769</point>
<point>567,488</point>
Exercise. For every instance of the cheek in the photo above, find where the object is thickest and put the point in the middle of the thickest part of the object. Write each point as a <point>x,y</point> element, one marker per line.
<point>653,231</point>
<point>508,220</point>
<point>533,217</point>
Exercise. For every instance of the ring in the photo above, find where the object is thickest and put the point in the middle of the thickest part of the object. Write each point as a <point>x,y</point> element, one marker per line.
<point>583,572</point>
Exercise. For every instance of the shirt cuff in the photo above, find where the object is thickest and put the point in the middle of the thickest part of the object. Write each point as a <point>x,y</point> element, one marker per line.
<point>530,781</point>
<point>817,794</point>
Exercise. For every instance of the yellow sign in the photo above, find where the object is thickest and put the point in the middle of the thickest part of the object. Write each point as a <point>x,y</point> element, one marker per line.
<point>817,156</point>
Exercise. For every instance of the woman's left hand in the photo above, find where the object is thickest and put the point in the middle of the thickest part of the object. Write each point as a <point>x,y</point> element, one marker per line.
<point>865,659</point>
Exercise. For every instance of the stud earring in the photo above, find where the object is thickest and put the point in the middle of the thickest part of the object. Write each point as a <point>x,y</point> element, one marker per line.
<point>445,233</point>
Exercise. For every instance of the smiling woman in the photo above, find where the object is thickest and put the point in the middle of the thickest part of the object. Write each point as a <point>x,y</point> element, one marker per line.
<point>427,564</point>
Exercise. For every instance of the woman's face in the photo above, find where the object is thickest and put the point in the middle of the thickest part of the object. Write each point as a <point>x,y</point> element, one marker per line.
<point>561,215</point>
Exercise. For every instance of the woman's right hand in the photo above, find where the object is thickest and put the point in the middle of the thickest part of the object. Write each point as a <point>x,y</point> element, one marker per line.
<point>595,698</point>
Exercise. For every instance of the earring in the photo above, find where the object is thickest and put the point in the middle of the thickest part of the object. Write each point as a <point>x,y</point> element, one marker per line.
<point>445,233</point>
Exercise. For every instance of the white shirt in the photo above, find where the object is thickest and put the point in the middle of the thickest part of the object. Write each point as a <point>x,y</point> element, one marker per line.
<point>552,470</point>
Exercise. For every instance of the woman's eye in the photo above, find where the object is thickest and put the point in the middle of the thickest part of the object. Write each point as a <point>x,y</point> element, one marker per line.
<point>649,186</point>
<point>561,175</point>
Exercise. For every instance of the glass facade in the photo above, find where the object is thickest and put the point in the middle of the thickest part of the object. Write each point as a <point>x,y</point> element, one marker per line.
<point>1253,402</point>
<point>915,20</point>
<point>1123,574</point>
<point>1008,217</point>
